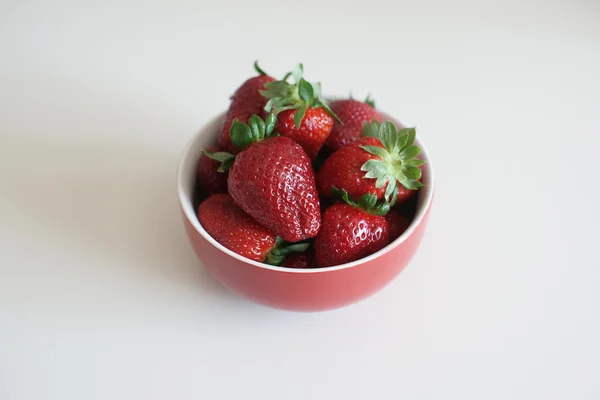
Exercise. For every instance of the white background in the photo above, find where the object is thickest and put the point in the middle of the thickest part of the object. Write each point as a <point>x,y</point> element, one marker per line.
<point>101,296</point>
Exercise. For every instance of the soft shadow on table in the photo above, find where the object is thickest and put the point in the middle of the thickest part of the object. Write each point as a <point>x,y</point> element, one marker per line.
<point>115,204</point>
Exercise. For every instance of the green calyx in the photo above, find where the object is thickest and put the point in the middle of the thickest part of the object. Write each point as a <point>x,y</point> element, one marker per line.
<point>243,135</point>
<point>226,159</point>
<point>299,96</point>
<point>282,250</point>
<point>370,101</point>
<point>399,162</point>
<point>367,202</point>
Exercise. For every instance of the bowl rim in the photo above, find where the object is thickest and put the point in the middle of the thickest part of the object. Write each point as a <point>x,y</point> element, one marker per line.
<point>190,214</point>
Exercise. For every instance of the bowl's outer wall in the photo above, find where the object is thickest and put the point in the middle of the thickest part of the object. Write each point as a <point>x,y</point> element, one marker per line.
<point>306,291</point>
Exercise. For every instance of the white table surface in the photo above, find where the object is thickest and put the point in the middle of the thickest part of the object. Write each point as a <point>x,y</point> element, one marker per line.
<point>101,296</point>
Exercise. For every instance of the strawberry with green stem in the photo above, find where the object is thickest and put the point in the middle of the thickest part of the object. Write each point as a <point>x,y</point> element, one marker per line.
<point>352,230</point>
<point>354,114</point>
<point>302,113</point>
<point>209,179</point>
<point>272,179</point>
<point>245,102</point>
<point>384,162</point>
<point>229,225</point>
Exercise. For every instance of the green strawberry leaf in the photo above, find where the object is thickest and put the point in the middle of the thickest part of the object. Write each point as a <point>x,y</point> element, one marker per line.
<point>277,89</point>
<point>367,201</point>
<point>410,152</point>
<point>370,129</point>
<point>317,89</point>
<point>299,116</point>
<point>258,69</point>
<point>269,106</point>
<point>226,165</point>
<point>391,187</point>
<point>337,193</point>
<point>275,258</point>
<point>370,101</point>
<point>342,195</point>
<point>415,163</point>
<point>257,128</point>
<point>382,180</point>
<point>281,249</point>
<point>218,155</point>
<point>226,159</point>
<point>306,91</point>
<point>270,122</point>
<point>402,140</point>
<point>297,72</point>
<point>375,169</point>
<point>411,134</point>
<point>241,135</point>
<point>381,209</point>
<point>387,135</point>
<point>376,150</point>
<point>413,173</point>
<point>297,248</point>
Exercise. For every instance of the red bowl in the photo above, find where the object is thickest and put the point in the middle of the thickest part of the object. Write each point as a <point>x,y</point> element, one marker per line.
<point>297,289</point>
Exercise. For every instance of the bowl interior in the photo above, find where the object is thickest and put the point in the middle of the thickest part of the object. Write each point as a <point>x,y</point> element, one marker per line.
<point>207,136</point>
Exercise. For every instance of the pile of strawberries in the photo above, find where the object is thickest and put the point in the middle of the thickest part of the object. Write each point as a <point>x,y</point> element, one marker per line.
<point>300,182</point>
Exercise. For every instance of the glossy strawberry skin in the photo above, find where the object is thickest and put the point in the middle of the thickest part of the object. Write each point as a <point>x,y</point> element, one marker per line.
<point>299,260</point>
<point>273,181</point>
<point>352,113</point>
<point>397,224</point>
<point>342,170</point>
<point>245,102</point>
<point>313,132</point>
<point>229,225</point>
<point>210,180</point>
<point>349,234</point>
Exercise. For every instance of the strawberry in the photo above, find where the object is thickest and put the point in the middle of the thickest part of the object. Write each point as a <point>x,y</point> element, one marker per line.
<point>351,231</point>
<point>245,102</point>
<point>397,224</point>
<point>353,114</point>
<point>299,260</point>
<point>302,114</point>
<point>384,163</point>
<point>272,180</point>
<point>312,132</point>
<point>209,179</point>
<point>233,228</point>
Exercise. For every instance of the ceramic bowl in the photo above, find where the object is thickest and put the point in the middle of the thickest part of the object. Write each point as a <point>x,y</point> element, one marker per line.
<point>314,289</point>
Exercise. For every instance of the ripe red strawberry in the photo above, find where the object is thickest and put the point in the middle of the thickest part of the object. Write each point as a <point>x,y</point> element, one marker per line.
<point>273,180</point>
<point>233,228</point>
<point>299,260</point>
<point>302,114</point>
<point>397,224</point>
<point>209,179</point>
<point>351,232</point>
<point>313,130</point>
<point>383,163</point>
<point>245,102</point>
<point>353,114</point>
